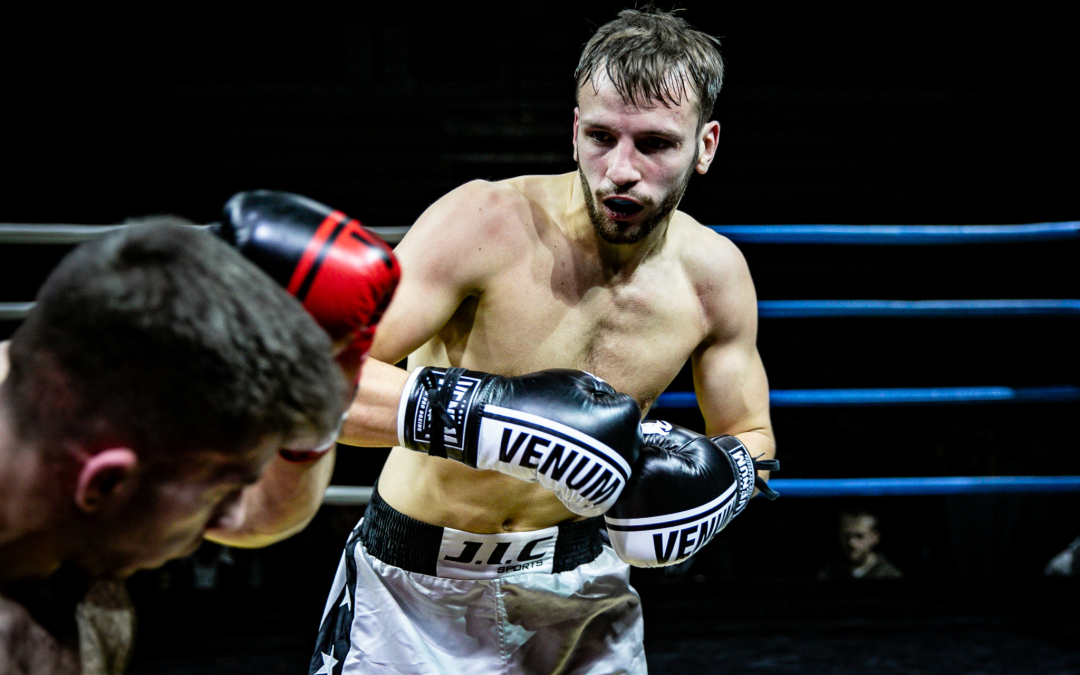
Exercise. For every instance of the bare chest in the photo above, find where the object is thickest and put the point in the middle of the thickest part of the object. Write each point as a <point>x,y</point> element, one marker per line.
<point>636,334</point>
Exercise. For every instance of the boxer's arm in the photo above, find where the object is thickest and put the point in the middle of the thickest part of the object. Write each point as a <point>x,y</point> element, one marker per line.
<point>280,504</point>
<point>448,255</point>
<point>729,377</point>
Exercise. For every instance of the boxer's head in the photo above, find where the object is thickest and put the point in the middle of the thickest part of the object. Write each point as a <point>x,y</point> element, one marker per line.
<point>646,85</point>
<point>157,375</point>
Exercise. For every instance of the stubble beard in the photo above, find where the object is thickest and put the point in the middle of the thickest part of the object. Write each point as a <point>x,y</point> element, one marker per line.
<point>612,231</point>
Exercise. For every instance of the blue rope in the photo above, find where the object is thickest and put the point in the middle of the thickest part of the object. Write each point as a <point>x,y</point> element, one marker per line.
<point>800,398</point>
<point>791,309</point>
<point>898,234</point>
<point>906,487</point>
<point>794,309</point>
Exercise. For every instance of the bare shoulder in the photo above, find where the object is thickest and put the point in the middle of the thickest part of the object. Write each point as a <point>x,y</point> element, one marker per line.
<point>478,208</point>
<point>467,235</point>
<point>719,272</point>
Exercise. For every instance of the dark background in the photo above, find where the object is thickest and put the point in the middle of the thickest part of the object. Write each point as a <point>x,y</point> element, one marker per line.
<point>906,113</point>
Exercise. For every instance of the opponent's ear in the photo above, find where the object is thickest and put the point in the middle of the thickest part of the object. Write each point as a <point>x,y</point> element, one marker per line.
<point>575,133</point>
<point>707,143</point>
<point>103,476</point>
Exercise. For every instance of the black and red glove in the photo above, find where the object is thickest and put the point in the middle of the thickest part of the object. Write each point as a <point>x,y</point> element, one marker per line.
<point>343,273</point>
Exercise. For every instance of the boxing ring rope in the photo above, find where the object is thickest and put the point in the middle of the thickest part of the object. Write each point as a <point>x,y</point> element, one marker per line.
<point>11,311</point>
<point>59,233</point>
<point>341,495</point>
<point>808,398</point>
<point>798,309</point>
<point>22,233</point>
<point>788,309</point>
<point>899,234</point>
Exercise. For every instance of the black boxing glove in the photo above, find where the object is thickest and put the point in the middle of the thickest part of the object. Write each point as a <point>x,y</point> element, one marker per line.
<point>343,274</point>
<point>683,489</point>
<point>568,430</point>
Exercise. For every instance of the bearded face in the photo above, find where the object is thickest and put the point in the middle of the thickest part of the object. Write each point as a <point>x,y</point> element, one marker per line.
<point>614,212</point>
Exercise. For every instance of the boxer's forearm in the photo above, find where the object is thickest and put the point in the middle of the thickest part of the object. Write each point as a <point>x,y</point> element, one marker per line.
<point>281,504</point>
<point>372,420</point>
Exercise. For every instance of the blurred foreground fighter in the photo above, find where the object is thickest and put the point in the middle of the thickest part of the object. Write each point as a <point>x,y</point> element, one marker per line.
<point>162,389</point>
<point>480,551</point>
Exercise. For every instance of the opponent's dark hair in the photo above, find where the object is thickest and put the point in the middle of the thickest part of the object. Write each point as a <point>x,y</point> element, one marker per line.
<point>652,55</point>
<point>164,338</point>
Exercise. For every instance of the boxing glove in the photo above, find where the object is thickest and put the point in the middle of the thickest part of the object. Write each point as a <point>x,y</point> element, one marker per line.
<point>343,274</point>
<point>568,430</point>
<point>683,489</point>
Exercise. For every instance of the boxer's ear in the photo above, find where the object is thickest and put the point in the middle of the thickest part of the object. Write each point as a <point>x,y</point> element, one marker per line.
<point>104,475</point>
<point>575,133</point>
<point>708,141</point>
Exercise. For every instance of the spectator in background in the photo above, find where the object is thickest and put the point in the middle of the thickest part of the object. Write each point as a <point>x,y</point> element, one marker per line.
<point>858,536</point>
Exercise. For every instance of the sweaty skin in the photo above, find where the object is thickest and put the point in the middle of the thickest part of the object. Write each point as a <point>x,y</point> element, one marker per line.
<point>511,277</point>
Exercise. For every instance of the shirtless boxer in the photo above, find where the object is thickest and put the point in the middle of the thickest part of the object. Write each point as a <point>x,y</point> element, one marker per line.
<point>455,570</point>
<point>157,378</point>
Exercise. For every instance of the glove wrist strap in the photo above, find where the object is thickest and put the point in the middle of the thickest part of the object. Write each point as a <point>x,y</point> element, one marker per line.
<point>746,468</point>
<point>435,413</point>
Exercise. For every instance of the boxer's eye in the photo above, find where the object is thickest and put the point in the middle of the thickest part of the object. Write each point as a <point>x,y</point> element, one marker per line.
<point>655,143</point>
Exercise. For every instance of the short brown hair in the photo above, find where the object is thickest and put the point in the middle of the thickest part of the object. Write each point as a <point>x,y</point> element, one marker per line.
<point>163,337</point>
<point>652,55</point>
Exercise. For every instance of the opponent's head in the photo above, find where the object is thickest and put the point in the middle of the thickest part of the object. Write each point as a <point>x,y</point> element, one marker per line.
<point>157,374</point>
<point>646,85</point>
<point>859,535</point>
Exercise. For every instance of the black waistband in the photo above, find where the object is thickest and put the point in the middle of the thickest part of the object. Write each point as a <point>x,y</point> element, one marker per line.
<point>401,541</point>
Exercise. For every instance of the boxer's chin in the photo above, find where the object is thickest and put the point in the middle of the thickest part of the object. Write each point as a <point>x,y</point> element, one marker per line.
<point>626,230</point>
<point>621,232</point>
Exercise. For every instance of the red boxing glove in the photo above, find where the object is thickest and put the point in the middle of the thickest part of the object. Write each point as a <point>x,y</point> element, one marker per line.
<point>343,274</point>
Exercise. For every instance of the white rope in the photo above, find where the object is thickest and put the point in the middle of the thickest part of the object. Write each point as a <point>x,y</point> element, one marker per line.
<point>59,233</point>
<point>348,495</point>
<point>24,233</point>
<point>12,311</point>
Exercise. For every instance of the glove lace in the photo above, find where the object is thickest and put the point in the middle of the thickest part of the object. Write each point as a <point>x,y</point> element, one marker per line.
<point>439,397</point>
<point>763,487</point>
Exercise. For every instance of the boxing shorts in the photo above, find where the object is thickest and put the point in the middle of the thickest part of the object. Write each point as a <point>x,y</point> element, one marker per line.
<point>410,597</point>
